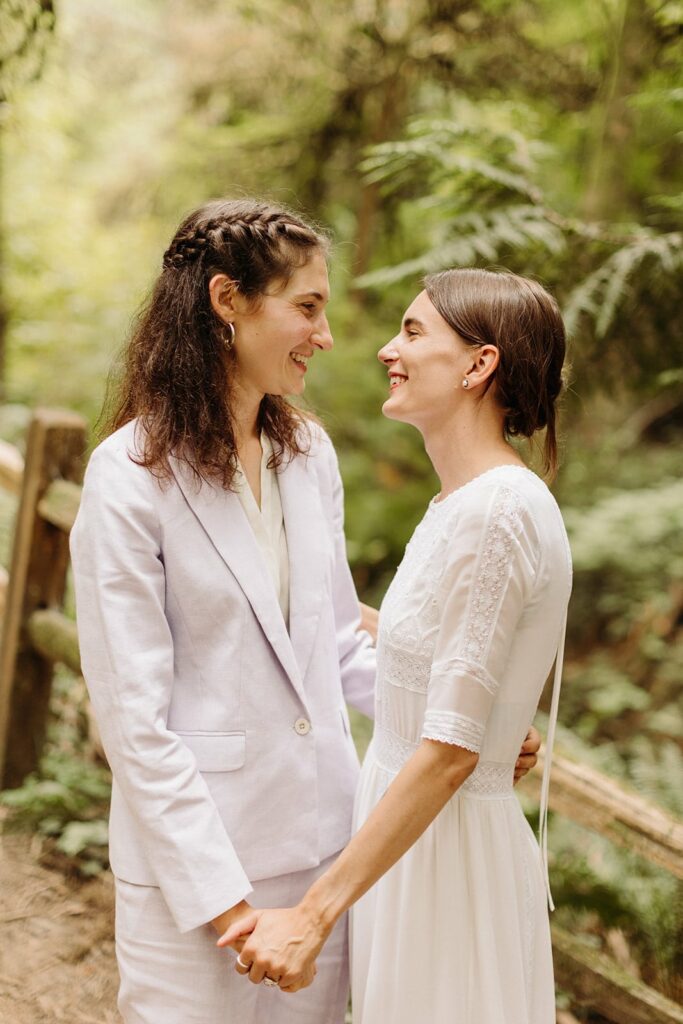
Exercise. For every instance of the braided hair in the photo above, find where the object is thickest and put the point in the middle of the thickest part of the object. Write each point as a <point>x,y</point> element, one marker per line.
<point>176,375</point>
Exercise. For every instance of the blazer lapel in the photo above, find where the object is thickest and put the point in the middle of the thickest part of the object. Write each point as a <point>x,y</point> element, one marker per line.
<point>220,513</point>
<point>308,549</point>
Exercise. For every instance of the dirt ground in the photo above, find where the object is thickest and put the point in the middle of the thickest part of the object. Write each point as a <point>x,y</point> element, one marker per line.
<point>56,941</point>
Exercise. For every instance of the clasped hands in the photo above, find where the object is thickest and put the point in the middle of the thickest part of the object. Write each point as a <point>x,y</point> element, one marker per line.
<point>282,945</point>
<point>277,945</point>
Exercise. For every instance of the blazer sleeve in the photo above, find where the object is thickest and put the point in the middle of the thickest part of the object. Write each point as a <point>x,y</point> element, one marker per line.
<point>127,657</point>
<point>357,657</point>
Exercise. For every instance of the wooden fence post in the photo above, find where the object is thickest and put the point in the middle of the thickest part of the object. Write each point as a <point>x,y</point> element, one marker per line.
<point>40,558</point>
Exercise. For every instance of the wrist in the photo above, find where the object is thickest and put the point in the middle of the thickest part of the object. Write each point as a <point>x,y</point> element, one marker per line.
<point>222,922</point>
<point>321,908</point>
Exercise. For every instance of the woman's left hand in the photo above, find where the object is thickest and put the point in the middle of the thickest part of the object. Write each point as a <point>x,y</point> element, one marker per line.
<point>281,944</point>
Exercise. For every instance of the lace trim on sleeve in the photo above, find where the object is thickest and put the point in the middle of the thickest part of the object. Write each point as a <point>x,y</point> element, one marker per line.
<point>492,573</point>
<point>459,667</point>
<point>451,727</point>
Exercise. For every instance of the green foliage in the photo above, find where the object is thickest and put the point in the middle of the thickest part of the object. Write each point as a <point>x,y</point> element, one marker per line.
<point>595,882</point>
<point>472,189</point>
<point>25,27</point>
<point>541,136</point>
<point>600,294</point>
<point>628,561</point>
<point>64,790</point>
<point>468,182</point>
<point>66,801</point>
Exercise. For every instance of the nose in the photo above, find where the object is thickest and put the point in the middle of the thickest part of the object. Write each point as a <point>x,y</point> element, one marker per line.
<point>322,335</point>
<point>388,353</point>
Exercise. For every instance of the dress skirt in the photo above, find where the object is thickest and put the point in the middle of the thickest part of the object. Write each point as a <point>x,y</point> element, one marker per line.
<point>457,931</point>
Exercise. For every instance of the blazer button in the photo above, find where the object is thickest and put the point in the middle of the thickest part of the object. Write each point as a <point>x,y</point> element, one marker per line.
<point>302,726</point>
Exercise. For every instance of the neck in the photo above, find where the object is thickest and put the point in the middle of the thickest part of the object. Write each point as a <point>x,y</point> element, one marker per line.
<point>245,410</point>
<point>466,446</point>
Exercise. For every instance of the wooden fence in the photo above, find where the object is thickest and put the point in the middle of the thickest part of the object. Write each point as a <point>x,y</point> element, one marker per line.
<point>36,633</point>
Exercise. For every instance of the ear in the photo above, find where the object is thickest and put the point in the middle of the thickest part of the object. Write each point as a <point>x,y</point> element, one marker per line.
<point>224,295</point>
<point>484,365</point>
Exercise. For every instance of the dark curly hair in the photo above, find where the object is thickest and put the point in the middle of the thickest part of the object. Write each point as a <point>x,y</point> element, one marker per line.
<point>176,375</point>
<point>523,321</point>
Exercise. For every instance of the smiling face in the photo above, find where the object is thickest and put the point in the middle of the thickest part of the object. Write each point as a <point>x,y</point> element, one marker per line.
<point>427,362</point>
<point>275,339</point>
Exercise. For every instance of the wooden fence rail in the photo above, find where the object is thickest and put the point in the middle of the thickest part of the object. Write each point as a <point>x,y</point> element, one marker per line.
<point>37,578</point>
<point>36,634</point>
<point>603,805</point>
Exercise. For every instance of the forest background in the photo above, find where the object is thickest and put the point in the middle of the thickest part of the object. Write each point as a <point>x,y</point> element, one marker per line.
<point>540,135</point>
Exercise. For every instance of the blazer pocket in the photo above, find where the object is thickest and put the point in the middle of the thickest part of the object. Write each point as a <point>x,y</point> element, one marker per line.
<point>216,751</point>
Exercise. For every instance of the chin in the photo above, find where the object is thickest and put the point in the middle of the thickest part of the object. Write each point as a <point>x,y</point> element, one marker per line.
<point>390,411</point>
<point>289,389</point>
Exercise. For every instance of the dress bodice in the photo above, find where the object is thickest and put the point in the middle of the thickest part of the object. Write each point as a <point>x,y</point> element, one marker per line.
<point>469,627</point>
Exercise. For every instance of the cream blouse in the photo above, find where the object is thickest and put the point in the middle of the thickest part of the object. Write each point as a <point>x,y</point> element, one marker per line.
<point>268,523</point>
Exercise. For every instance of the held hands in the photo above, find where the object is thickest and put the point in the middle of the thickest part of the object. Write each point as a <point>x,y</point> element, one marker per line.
<point>279,946</point>
<point>528,754</point>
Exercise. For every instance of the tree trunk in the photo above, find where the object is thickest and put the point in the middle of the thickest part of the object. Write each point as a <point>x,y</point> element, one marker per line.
<point>382,128</point>
<point>609,156</point>
<point>3,305</point>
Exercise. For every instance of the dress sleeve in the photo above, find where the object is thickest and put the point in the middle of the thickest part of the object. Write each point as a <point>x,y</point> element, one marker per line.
<point>487,581</point>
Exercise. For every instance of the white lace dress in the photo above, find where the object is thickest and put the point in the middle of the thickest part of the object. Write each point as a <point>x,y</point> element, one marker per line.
<point>457,931</point>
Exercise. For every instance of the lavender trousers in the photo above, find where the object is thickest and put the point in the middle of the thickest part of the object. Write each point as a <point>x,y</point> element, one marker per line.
<point>173,978</point>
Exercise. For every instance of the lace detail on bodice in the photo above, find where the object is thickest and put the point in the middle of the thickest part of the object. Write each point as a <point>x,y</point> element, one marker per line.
<point>490,778</point>
<point>451,727</point>
<point>491,573</point>
<point>406,668</point>
<point>391,751</point>
<point>419,552</point>
<point>406,643</point>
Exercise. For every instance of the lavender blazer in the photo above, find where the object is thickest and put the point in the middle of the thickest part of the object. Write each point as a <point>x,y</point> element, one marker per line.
<point>228,737</point>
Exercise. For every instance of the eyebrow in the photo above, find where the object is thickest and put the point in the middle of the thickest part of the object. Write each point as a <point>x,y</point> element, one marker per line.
<point>411,321</point>
<point>313,295</point>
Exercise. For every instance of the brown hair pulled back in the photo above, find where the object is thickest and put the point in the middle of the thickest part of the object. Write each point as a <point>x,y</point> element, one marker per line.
<point>177,370</point>
<point>523,321</point>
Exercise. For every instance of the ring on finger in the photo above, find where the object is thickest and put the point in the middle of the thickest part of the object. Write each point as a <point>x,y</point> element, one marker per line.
<point>269,981</point>
<point>240,963</point>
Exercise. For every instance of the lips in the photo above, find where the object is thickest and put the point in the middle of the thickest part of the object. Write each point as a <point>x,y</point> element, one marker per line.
<point>395,380</point>
<point>300,360</point>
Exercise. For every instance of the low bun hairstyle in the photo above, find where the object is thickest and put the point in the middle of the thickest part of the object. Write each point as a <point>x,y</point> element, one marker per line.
<point>523,321</point>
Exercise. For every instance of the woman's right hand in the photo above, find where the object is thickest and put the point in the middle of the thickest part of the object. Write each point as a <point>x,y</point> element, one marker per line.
<point>303,981</point>
<point>369,618</point>
<point>221,923</point>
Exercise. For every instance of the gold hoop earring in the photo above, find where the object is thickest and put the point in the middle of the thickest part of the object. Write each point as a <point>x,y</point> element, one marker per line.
<point>230,340</point>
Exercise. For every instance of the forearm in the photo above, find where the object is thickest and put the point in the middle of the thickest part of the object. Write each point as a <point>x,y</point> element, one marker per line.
<point>417,795</point>
<point>223,921</point>
<point>369,620</point>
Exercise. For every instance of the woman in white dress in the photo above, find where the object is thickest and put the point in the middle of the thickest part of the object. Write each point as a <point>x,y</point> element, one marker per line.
<point>450,921</point>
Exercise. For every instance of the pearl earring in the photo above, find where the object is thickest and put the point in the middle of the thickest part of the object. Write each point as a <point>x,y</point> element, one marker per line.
<point>465,383</point>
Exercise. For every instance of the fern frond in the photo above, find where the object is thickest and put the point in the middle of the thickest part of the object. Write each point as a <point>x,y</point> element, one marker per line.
<point>474,237</point>
<point>602,292</point>
<point>449,153</point>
